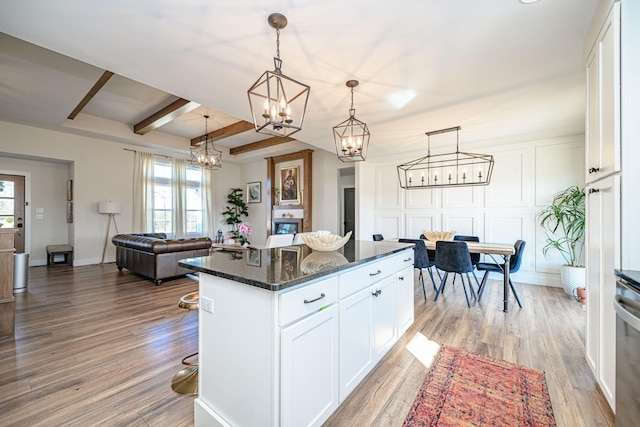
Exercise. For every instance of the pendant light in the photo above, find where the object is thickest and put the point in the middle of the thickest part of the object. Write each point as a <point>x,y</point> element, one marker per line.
<point>446,170</point>
<point>351,136</point>
<point>278,102</point>
<point>206,156</point>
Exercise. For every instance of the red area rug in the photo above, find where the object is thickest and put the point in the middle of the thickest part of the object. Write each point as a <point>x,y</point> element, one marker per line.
<point>470,389</point>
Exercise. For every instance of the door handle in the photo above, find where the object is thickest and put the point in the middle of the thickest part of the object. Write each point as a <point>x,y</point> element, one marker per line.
<point>19,225</point>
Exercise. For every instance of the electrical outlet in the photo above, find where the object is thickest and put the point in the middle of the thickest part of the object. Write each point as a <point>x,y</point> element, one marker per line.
<point>206,304</point>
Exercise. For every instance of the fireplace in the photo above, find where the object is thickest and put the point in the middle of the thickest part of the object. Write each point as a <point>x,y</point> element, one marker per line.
<point>287,225</point>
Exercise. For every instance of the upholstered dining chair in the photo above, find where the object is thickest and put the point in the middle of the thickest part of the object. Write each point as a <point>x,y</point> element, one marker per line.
<point>377,237</point>
<point>454,257</point>
<point>475,258</point>
<point>421,261</point>
<point>514,266</point>
<point>432,256</point>
<point>279,240</point>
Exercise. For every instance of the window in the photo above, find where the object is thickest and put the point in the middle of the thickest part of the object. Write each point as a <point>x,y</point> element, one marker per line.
<point>187,203</point>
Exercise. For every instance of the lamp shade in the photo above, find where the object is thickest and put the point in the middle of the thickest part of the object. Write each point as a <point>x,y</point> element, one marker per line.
<point>109,207</point>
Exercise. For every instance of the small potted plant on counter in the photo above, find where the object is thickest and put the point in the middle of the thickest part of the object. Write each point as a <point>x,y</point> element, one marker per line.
<point>564,224</point>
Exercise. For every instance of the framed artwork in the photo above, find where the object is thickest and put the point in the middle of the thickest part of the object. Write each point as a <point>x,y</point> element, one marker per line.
<point>289,263</point>
<point>253,257</point>
<point>290,185</point>
<point>69,190</point>
<point>254,192</point>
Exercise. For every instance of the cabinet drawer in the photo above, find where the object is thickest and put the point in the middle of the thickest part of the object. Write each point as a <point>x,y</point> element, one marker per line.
<point>359,278</point>
<point>307,300</point>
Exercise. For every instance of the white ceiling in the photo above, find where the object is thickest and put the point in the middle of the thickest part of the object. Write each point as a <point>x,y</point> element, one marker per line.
<point>502,70</point>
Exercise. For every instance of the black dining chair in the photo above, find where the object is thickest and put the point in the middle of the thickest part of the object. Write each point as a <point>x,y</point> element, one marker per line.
<point>454,257</point>
<point>475,258</point>
<point>421,261</point>
<point>377,237</point>
<point>432,256</point>
<point>514,266</point>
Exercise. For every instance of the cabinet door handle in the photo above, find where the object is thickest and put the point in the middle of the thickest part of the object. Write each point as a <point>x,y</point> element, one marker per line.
<point>401,277</point>
<point>376,273</point>
<point>592,170</point>
<point>314,300</point>
<point>594,190</point>
<point>376,293</point>
<point>407,259</point>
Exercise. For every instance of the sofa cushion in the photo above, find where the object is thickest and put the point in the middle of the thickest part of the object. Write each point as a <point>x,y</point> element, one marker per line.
<point>160,245</point>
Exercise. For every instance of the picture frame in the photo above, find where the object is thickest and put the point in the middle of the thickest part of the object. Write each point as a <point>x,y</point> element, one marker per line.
<point>254,192</point>
<point>254,258</point>
<point>290,185</point>
<point>289,263</point>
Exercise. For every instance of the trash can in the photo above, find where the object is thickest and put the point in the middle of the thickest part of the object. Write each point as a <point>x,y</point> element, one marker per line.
<point>20,272</point>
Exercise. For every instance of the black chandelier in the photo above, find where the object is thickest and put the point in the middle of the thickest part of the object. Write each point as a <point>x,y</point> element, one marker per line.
<point>352,135</point>
<point>446,170</point>
<point>278,103</point>
<point>205,154</point>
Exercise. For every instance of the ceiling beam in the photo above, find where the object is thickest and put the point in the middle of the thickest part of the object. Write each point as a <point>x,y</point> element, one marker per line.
<point>225,132</point>
<point>92,92</point>
<point>164,116</point>
<point>269,142</point>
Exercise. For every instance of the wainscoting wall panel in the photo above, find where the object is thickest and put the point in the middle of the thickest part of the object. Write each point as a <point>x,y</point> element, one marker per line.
<point>422,199</point>
<point>390,225</point>
<point>467,224</point>
<point>462,197</point>
<point>509,184</point>
<point>422,221</point>
<point>388,191</point>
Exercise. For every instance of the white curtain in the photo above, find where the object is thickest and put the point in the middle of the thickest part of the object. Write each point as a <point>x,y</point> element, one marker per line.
<point>178,197</point>
<point>143,192</point>
<point>208,215</point>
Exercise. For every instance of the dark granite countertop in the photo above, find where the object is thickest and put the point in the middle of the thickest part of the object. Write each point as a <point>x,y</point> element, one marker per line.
<point>280,268</point>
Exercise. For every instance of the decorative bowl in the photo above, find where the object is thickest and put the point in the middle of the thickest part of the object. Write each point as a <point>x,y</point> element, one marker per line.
<point>318,261</point>
<point>325,241</point>
<point>434,236</point>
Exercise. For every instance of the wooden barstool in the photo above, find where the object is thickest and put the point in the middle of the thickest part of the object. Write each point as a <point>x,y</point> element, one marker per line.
<point>186,380</point>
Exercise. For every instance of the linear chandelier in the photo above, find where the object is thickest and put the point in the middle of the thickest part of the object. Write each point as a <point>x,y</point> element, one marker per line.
<point>351,136</point>
<point>278,103</point>
<point>206,156</point>
<point>446,170</point>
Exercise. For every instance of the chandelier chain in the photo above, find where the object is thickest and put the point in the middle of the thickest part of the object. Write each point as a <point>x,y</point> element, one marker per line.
<point>278,41</point>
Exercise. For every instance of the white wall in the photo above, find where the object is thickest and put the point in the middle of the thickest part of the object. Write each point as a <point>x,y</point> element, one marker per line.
<point>525,178</point>
<point>101,171</point>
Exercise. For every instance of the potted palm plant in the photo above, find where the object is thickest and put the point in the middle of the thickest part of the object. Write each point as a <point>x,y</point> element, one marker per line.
<point>564,223</point>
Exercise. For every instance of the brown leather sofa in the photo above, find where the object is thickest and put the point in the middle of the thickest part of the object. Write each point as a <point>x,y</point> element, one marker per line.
<point>154,256</point>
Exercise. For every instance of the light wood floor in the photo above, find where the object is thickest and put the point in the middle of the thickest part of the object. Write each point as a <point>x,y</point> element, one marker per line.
<point>97,347</point>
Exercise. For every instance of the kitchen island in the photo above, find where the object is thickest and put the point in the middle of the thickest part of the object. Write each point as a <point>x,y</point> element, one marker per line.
<point>285,334</point>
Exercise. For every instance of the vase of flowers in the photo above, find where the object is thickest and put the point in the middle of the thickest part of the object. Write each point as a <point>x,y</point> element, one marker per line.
<point>244,231</point>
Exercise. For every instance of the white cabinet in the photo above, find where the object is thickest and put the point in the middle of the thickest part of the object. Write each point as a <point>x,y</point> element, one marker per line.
<point>310,369</point>
<point>603,255</point>
<point>603,100</point>
<point>404,297</point>
<point>603,163</point>
<point>299,351</point>
<point>384,314</point>
<point>356,340</point>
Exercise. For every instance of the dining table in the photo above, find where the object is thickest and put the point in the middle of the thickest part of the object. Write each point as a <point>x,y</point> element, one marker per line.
<point>503,249</point>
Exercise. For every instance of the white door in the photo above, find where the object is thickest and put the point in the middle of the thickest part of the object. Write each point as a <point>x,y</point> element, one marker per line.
<point>12,207</point>
<point>310,369</point>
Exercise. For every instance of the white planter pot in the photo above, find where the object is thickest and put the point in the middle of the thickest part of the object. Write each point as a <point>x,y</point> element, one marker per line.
<point>572,278</point>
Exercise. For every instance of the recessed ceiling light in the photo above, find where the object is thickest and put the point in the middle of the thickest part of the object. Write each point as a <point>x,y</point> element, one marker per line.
<point>528,1</point>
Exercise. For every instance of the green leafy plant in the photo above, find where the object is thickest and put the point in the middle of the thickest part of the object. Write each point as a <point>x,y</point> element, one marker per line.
<point>564,223</point>
<point>235,211</point>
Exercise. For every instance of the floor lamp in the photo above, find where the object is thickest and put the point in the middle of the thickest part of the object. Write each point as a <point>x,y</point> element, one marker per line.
<point>111,209</point>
